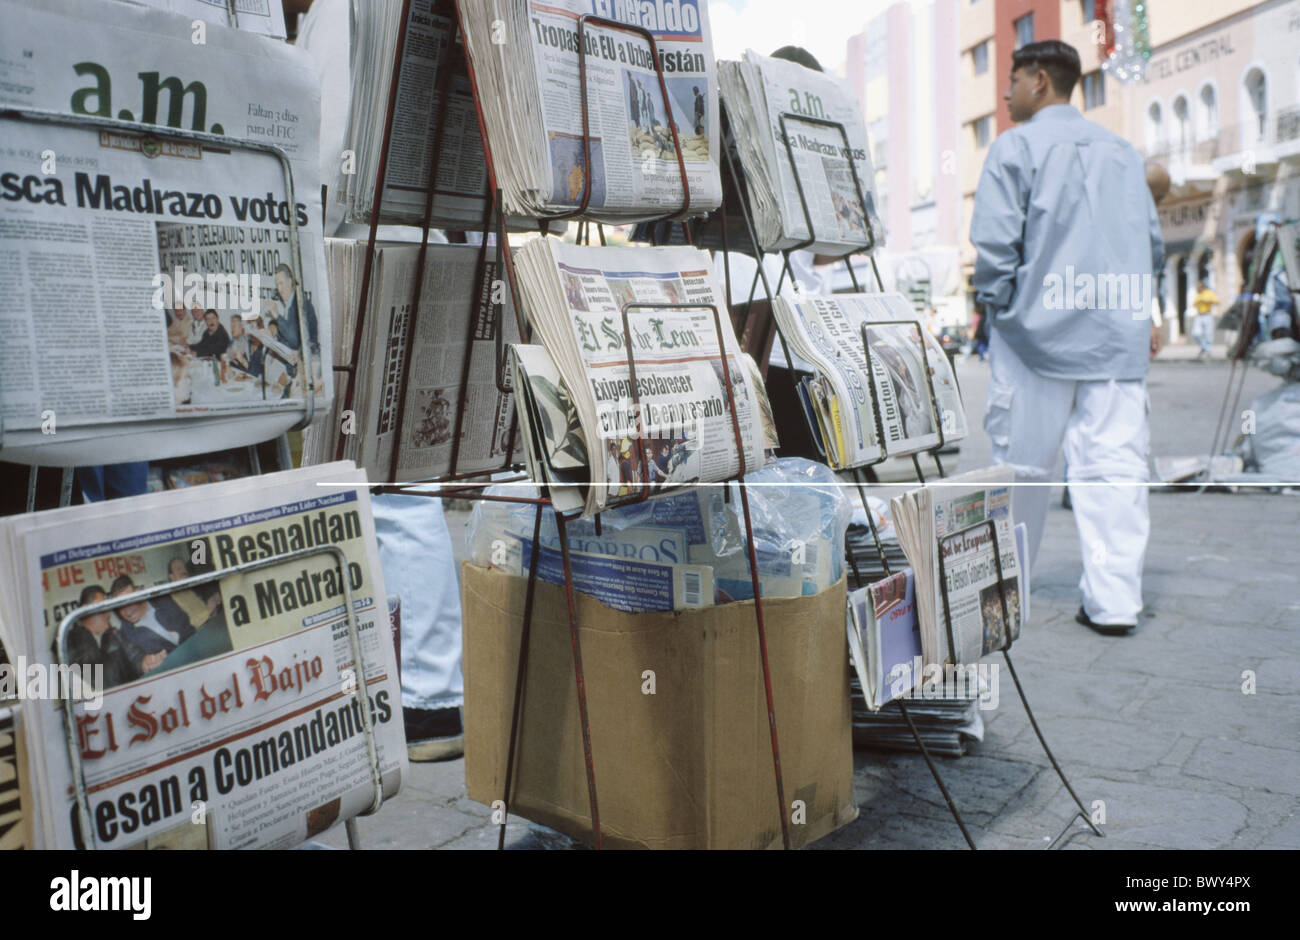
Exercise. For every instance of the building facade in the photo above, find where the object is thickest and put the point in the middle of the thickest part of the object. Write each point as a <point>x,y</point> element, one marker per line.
<point>1219,109</point>
<point>904,68</point>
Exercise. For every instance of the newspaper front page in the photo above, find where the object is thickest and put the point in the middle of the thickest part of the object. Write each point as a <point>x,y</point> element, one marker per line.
<point>149,287</point>
<point>771,101</point>
<point>533,105</point>
<point>828,331</point>
<point>683,430</point>
<point>231,715</point>
<point>931,520</point>
<point>455,330</point>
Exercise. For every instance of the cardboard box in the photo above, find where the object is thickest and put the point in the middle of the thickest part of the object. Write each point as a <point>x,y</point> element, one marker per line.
<point>689,766</point>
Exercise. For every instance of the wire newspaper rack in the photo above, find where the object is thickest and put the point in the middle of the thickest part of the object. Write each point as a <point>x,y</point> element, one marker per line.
<point>151,136</point>
<point>456,484</point>
<point>494,221</point>
<point>85,829</point>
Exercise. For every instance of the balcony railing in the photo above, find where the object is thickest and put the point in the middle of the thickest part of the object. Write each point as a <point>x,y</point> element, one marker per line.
<point>1283,126</point>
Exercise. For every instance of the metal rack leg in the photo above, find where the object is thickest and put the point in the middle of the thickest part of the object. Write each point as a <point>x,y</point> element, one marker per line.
<point>1083,812</point>
<point>521,670</point>
<point>767,676</point>
<point>354,834</point>
<point>65,490</point>
<point>31,488</point>
<point>579,678</point>
<point>934,772</point>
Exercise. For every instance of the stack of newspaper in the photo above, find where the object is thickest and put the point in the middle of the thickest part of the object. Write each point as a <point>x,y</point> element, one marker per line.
<point>153,302</point>
<point>961,593</point>
<point>947,726</point>
<point>458,328</point>
<point>592,436</point>
<point>226,713</point>
<point>885,650</point>
<point>906,392</point>
<point>826,199</point>
<point>373,30</point>
<point>525,61</point>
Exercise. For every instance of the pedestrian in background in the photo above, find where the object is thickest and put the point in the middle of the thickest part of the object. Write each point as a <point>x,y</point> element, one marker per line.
<point>1061,197</point>
<point>1203,326</point>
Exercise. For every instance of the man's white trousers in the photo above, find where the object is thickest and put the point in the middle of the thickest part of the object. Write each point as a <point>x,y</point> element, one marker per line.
<point>1103,426</point>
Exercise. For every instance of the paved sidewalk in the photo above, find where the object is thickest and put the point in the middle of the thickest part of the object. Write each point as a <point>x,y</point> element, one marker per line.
<point>1155,725</point>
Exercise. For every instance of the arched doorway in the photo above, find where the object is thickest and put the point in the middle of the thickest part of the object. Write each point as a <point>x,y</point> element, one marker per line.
<point>1180,296</point>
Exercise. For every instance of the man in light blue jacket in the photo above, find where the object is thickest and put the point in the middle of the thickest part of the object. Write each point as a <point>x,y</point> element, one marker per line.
<point>1068,243</point>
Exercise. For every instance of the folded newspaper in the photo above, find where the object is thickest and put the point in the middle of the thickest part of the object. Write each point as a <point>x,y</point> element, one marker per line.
<point>525,60</point>
<point>583,427</point>
<point>826,199</point>
<point>884,638</point>
<point>458,329</point>
<point>134,259</point>
<point>231,713</point>
<point>851,404</point>
<point>368,31</point>
<point>960,591</point>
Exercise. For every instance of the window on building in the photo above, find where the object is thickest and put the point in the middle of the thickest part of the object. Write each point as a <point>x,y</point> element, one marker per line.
<point>979,56</point>
<point>1024,30</point>
<point>1094,90</point>
<point>1155,128</point>
<point>1255,112</point>
<point>983,128</point>
<point>1182,124</point>
<point>1089,10</point>
<point>1207,113</point>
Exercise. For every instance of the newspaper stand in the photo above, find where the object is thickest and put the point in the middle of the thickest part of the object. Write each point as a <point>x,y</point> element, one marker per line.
<point>87,831</point>
<point>494,218</point>
<point>202,139</point>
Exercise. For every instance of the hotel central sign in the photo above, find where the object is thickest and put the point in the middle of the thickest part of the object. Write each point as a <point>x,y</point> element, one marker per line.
<point>1190,57</point>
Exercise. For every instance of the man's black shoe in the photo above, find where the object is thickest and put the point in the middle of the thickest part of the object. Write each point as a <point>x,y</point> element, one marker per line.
<point>1105,629</point>
<point>433,734</point>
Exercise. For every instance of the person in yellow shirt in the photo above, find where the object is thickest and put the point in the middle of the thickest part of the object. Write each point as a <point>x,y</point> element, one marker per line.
<point>1203,326</point>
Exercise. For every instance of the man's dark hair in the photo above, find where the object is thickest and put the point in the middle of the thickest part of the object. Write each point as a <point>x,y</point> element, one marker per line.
<point>1059,60</point>
<point>88,594</point>
<point>799,55</point>
<point>121,581</point>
